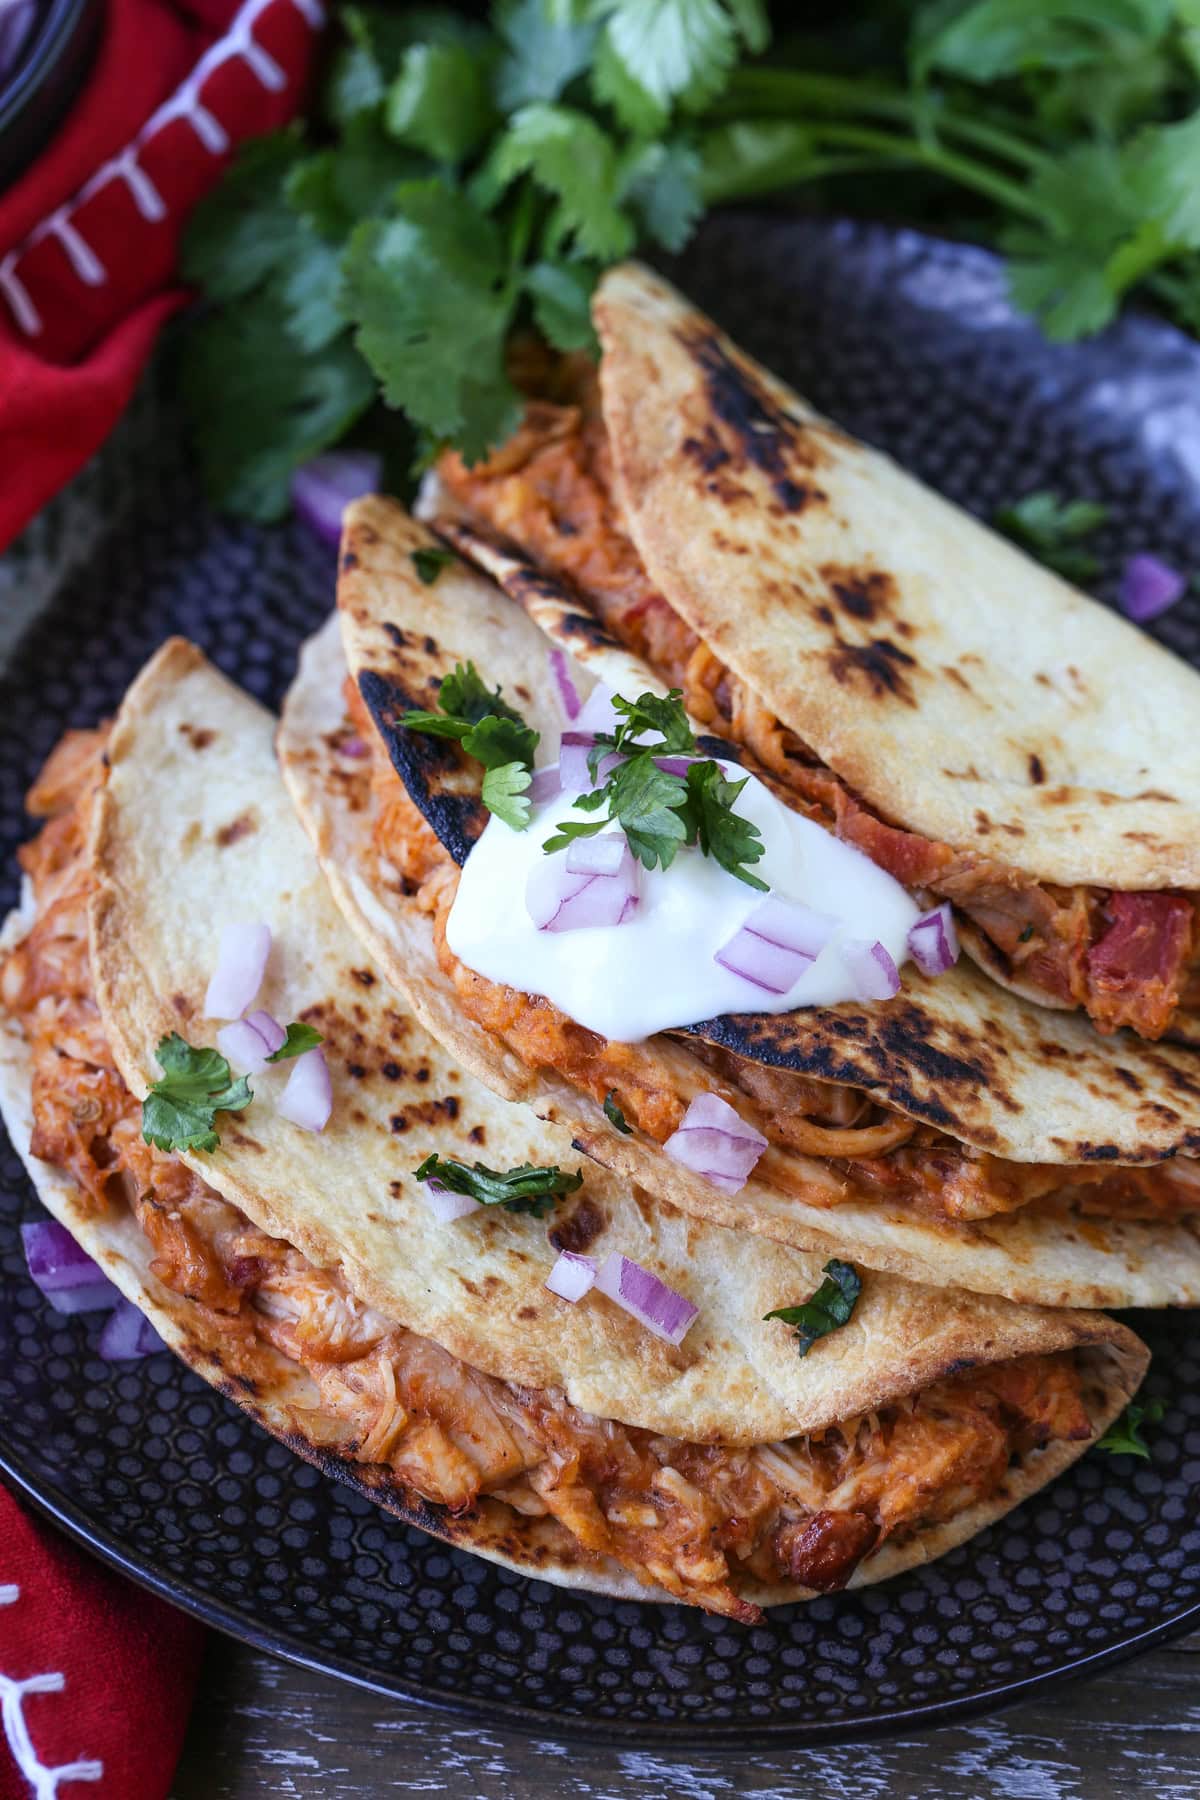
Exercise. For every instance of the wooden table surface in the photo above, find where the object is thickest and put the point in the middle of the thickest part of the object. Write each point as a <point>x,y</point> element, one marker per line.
<point>262,1728</point>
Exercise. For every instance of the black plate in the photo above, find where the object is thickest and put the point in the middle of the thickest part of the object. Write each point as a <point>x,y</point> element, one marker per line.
<point>911,344</point>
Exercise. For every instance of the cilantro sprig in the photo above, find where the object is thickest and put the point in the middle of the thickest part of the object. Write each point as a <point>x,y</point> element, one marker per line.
<point>831,1307</point>
<point>299,1039</point>
<point>458,181</point>
<point>658,809</point>
<point>1124,1437</point>
<point>525,1189</point>
<point>492,732</point>
<point>180,1110</point>
<point>1051,530</point>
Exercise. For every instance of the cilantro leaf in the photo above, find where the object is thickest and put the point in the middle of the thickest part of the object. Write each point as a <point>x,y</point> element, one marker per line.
<point>662,183</point>
<point>682,50</point>
<point>1124,1437</point>
<point>504,794</point>
<point>427,293</point>
<point>615,1114</point>
<point>574,160</point>
<point>244,230</point>
<point>179,1111</point>
<point>429,563</point>
<point>712,823</point>
<point>644,800</point>
<point>261,405</point>
<point>498,740</point>
<point>300,1038</point>
<point>615,85</point>
<point>991,39</point>
<point>525,1189</point>
<point>567,830</point>
<point>463,693</point>
<point>831,1307</point>
<point>544,50</point>
<point>1049,528</point>
<point>1163,164</point>
<point>439,102</point>
<point>653,712</point>
<point>561,293</point>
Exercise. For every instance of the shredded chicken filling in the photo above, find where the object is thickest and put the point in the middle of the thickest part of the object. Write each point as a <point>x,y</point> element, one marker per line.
<point>828,1143</point>
<point>1129,959</point>
<point>697,1520</point>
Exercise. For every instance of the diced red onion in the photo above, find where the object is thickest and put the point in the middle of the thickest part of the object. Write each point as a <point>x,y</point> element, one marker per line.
<point>128,1335</point>
<point>445,1204</point>
<point>871,969</point>
<point>572,1276</point>
<point>64,1273</point>
<point>674,765</point>
<point>568,693</point>
<point>241,965</point>
<point>607,854</point>
<point>573,753</point>
<point>777,943</point>
<point>1149,586</point>
<point>324,487</point>
<point>248,1043</point>
<point>597,714</point>
<point>307,1100</point>
<point>716,1143</point>
<point>559,898</point>
<point>933,941</point>
<point>354,747</point>
<point>661,1310</point>
<point>546,784</point>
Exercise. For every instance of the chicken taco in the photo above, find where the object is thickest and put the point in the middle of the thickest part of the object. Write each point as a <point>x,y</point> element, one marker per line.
<point>975,725</point>
<point>399,1325</point>
<point>755,1057</point>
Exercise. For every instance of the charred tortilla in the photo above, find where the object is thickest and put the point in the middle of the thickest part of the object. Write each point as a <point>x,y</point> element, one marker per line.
<point>1012,1080</point>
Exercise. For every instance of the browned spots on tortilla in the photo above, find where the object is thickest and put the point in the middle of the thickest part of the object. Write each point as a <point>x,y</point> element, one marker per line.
<point>429,645</point>
<point>1058,796</point>
<point>364,977</point>
<point>198,736</point>
<point>755,428</point>
<point>527,1312</point>
<point>1156,794</point>
<point>956,675</point>
<point>398,637</point>
<point>477,1134</point>
<point>349,561</point>
<point>825,614</point>
<point>182,1005</point>
<point>865,594</point>
<point>245,825</point>
<point>982,823</point>
<point>1037,769</point>
<point>970,773</point>
<point>879,666</point>
<point>580,1229</point>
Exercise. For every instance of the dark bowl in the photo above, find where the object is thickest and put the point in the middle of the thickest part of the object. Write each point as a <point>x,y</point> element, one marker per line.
<point>45,79</point>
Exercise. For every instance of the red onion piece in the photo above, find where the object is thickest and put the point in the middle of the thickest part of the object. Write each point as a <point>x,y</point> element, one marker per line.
<point>241,965</point>
<point>307,1100</point>
<point>771,967</point>
<point>716,1143</point>
<point>1149,587</point>
<point>445,1204</point>
<point>577,778</point>
<point>64,1273</point>
<point>675,765</point>
<point>568,693</point>
<point>249,1043</point>
<point>661,1310</point>
<point>933,941</point>
<point>572,1276</point>
<point>607,854</point>
<point>559,898</point>
<point>322,488</point>
<point>872,970</point>
<point>128,1335</point>
<point>354,747</point>
<point>777,943</point>
<point>597,714</point>
<point>545,784</point>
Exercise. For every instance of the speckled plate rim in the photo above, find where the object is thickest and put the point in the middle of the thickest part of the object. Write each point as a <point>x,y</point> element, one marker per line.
<point>224,1617</point>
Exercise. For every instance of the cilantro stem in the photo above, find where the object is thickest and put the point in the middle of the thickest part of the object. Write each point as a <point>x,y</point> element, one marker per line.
<point>971,174</point>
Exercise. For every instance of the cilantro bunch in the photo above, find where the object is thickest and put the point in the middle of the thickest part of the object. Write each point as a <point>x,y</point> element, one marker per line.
<point>364,271</point>
<point>491,731</point>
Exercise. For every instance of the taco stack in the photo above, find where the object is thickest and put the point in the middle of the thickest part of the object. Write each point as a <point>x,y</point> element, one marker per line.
<point>308,1264</point>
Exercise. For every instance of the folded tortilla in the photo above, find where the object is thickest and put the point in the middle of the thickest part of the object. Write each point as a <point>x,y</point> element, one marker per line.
<point>975,724</point>
<point>428,1364</point>
<point>1039,1093</point>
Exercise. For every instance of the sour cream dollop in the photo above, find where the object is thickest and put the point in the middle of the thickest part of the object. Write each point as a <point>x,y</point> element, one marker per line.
<point>657,970</point>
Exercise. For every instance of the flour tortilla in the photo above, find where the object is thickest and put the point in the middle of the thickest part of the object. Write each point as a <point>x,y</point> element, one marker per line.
<point>983,1065</point>
<point>194,812</point>
<point>964,690</point>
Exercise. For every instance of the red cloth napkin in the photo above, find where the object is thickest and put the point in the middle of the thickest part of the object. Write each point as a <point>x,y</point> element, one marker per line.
<point>96,1677</point>
<point>89,235</point>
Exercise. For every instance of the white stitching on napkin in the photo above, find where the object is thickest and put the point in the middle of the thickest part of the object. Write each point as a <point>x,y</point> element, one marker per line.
<point>44,1781</point>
